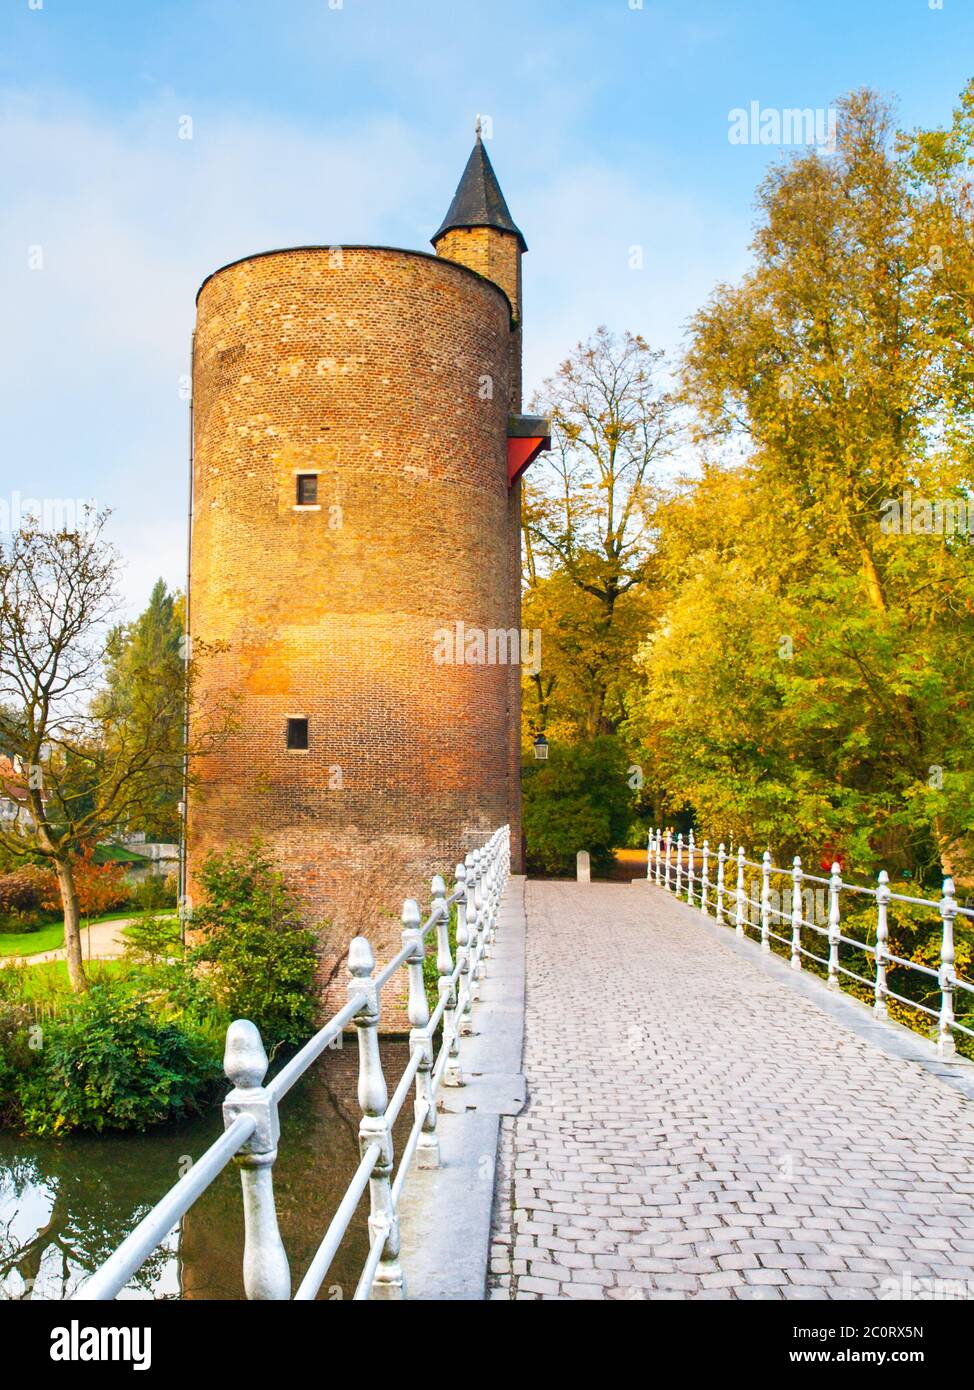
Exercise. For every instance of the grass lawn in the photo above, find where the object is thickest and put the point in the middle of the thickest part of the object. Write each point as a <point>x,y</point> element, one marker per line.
<point>28,943</point>
<point>51,937</point>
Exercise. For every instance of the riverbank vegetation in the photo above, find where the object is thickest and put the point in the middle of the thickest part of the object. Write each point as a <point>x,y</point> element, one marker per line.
<point>144,1043</point>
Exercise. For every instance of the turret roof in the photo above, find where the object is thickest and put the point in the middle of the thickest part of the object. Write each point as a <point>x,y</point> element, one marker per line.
<point>478,201</point>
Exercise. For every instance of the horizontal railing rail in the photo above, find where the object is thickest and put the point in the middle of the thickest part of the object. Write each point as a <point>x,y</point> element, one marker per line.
<point>250,1110</point>
<point>672,865</point>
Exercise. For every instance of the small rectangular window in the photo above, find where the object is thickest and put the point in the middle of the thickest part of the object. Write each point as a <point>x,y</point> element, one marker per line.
<point>307,489</point>
<point>297,733</point>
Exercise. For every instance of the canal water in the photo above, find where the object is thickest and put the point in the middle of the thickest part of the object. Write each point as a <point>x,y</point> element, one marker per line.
<point>64,1207</point>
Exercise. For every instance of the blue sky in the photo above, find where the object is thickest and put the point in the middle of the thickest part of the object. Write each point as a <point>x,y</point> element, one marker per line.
<point>314,121</point>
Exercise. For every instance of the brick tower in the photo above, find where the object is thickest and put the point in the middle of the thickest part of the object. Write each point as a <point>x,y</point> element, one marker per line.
<point>357,447</point>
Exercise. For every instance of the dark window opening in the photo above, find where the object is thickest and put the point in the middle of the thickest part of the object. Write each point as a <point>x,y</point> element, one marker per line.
<point>307,489</point>
<point>297,733</point>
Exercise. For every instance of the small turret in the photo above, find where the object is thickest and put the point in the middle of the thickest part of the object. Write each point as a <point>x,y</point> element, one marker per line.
<point>480,233</point>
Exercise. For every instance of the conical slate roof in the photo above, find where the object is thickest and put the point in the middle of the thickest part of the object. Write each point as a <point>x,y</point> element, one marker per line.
<point>478,201</point>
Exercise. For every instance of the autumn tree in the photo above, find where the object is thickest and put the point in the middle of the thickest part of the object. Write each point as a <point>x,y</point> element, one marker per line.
<point>588,529</point>
<point>809,677</point>
<point>84,759</point>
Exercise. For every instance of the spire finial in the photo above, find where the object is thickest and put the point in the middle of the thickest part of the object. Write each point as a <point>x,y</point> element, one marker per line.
<point>477,126</point>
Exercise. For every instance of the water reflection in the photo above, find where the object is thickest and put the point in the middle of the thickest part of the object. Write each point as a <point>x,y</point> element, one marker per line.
<point>65,1207</point>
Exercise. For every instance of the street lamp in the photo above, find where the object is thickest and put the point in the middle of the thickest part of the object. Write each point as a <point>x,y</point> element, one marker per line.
<point>541,747</point>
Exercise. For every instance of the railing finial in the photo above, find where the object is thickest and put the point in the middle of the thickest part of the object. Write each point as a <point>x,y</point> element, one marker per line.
<point>266,1274</point>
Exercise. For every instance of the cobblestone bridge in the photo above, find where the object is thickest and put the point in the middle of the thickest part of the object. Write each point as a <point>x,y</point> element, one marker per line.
<point>702,1122</point>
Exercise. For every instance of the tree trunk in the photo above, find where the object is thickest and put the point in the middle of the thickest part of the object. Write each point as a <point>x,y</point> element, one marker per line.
<point>72,926</point>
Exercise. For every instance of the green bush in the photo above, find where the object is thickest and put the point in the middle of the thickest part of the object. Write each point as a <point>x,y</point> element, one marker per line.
<point>152,894</point>
<point>152,939</point>
<point>108,1063</point>
<point>263,957</point>
<point>17,1056</point>
<point>579,799</point>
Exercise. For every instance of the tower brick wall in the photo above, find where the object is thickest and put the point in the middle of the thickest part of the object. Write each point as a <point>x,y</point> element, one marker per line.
<point>366,368</point>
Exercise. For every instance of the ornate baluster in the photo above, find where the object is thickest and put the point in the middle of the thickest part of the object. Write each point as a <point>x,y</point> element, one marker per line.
<point>721,861</point>
<point>649,855</point>
<point>835,888</point>
<point>690,850</point>
<point>705,880</point>
<point>452,1075</point>
<point>669,846</point>
<point>797,878</point>
<point>265,1268</point>
<point>488,899</point>
<point>948,911</point>
<point>741,893</point>
<point>464,996</point>
<point>477,925</point>
<point>883,895</point>
<point>679,864</point>
<point>766,901</point>
<point>373,1097</point>
<point>428,1147</point>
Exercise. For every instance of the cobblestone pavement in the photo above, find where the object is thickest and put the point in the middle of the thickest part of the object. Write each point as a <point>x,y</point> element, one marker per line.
<point>695,1129</point>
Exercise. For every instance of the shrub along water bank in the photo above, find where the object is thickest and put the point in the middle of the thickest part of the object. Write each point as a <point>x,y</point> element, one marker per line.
<point>144,1044</point>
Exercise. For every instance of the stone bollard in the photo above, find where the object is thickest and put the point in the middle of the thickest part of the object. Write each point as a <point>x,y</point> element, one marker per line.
<point>583,866</point>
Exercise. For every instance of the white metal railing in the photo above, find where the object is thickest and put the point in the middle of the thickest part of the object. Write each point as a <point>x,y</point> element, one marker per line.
<point>250,1111</point>
<point>676,874</point>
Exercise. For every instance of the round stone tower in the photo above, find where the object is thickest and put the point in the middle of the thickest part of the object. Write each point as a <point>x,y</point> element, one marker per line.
<point>355,527</point>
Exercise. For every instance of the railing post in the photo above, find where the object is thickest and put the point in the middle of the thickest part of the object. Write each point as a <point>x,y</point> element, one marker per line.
<point>705,880</point>
<point>477,925</point>
<point>679,864</point>
<point>741,894</point>
<point>464,953</point>
<point>835,888</point>
<point>266,1274</point>
<point>658,876</point>
<point>496,888</point>
<point>690,849</point>
<point>883,894</point>
<point>500,879</point>
<point>445,987</point>
<point>487,867</point>
<point>428,1145</point>
<point>669,845</point>
<point>797,879</point>
<point>948,911</point>
<point>649,854</point>
<point>766,901</point>
<point>721,861</point>
<point>373,1097</point>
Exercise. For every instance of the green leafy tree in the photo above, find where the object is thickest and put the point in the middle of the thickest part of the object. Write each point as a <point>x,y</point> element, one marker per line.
<point>579,799</point>
<point>140,658</point>
<point>251,933</point>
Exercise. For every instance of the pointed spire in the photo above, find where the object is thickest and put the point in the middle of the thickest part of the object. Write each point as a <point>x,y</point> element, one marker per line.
<point>478,201</point>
